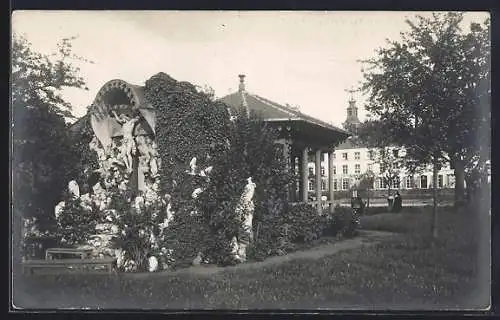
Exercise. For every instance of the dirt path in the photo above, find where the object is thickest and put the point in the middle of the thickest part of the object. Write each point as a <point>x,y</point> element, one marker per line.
<point>365,238</point>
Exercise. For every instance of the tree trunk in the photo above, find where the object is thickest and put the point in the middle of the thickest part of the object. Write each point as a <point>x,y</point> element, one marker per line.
<point>459,171</point>
<point>434,227</point>
<point>368,197</point>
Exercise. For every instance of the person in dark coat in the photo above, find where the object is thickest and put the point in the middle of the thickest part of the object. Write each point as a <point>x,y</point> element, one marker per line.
<point>398,202</point>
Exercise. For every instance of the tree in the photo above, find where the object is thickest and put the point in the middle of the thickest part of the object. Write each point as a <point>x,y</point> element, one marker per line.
<point>420,87</point>
<point>366,182</point>
<point>390,166</point>
<point>42,154</point>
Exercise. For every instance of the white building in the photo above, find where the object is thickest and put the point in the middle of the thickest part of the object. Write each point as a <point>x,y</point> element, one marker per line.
<point>352,161</point>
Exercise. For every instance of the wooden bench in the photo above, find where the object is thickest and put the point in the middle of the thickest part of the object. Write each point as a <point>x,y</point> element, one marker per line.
<point>82,253</point>
<point>108,264</point>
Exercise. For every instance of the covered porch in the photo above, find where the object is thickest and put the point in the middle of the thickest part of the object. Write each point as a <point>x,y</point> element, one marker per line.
<point>301,138</point>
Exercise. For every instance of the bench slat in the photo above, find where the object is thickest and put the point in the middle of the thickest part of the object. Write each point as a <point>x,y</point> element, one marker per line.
<point>68,250</point>
<point>69,261</point>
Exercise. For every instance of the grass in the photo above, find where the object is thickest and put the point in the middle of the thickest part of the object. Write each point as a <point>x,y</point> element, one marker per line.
<point>407,270</point>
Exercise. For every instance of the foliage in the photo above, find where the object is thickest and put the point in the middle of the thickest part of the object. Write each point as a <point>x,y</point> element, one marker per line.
<point>86,160</point>
<point>283,232</point>
<point>434,83</point>
<point>42,158</point>
<point>38,79</point>
<point>190,124</point>
<point>76,223</point>
<point>138,231</point>
<point>252,153</point>
<point>342,223</point>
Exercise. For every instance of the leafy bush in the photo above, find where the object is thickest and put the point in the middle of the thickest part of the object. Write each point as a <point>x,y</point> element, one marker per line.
<point>342,223</point>
<point>76,224</point>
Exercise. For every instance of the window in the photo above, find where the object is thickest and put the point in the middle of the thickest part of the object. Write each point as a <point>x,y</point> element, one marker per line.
<point>323,172</point>
<point>440,181</point>
<point>344,156</point>
<point>334,170</point>
<point>335,184</point>
<point>311,186</point>
<point>371,154</point>
<point>396,183</point>
<point>408,183</point>
<point>311,171</point>
<point>356,155</point>
<point>345,184</point>
<point>357,168</point>
<point>345,169</point>
<point>323,185</point>
<point>395,152</point>
<point>451,181</point>
<point>423,182</point>
<point>333,155</point>
<point>382,167</point>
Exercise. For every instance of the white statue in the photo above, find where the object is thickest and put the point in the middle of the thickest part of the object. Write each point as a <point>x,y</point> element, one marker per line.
<point>94,145</point>
<point>152,264</point>
<point>196,193</point>
<point>245,210</point>
<point>59,208</point>
<point>128,143</point>
<point>143,147</point>
<point>192,165</point>
<point>74,189</point>
<point>205,172</point>
<point>139,203</point>
<point>153,164</point>
<point>249,191</point>
<point>235,248</point>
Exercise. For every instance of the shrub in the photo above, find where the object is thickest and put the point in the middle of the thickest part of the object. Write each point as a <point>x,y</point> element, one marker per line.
<point>76,224</point>
<point>341,223</point>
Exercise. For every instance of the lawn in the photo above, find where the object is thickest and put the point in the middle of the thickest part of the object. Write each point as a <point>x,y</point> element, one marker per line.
<point>404,271</point>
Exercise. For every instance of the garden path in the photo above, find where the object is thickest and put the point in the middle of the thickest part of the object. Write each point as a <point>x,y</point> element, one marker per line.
<point>365,238</point>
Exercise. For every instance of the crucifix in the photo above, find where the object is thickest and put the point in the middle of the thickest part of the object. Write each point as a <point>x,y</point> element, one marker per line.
<point>351,91</point>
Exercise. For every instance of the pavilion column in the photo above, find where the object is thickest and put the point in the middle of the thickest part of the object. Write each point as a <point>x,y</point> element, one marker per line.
<point>331,188</point>
<point>305,174</point>
<point>288,164</point>
<point>318,179</point>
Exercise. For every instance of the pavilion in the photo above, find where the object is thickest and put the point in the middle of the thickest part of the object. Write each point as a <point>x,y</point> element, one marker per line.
<point>300,135</point>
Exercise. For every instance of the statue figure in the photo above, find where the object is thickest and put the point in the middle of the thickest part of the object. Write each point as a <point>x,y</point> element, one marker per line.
<point>153,164</point>
<point>144,149</point>
<point>59,208</point>
<point>128,143</point>
<point>74,189</point>
<point>94,145</point>
<point>205,172</point>
<point>244,210</point>
<point>196,193</point>
<point>192,165</point>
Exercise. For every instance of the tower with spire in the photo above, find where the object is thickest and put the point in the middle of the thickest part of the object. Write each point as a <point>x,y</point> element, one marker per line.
<point>352,123</point>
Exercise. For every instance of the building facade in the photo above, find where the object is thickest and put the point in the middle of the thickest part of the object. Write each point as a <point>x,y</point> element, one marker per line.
<point>352,161</point>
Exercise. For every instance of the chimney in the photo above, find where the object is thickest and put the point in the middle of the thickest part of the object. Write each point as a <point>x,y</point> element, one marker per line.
<point>241,87</point>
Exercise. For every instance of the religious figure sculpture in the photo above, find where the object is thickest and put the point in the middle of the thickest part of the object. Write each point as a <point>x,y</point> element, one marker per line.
<point>74,189</point>
<point>128,142</point>
<point>94,145</point>
<point>245,210</point>
<point>192,165</point>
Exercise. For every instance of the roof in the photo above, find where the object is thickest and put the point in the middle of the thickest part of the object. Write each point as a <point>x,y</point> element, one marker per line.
<point>272,111</point>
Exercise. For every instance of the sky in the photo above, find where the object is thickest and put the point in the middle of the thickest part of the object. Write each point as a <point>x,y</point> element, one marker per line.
<point>305,59</point>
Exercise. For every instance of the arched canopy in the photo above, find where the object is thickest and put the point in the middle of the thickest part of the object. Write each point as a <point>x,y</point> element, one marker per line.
<point>119,92</point>
<point>123,98</point>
